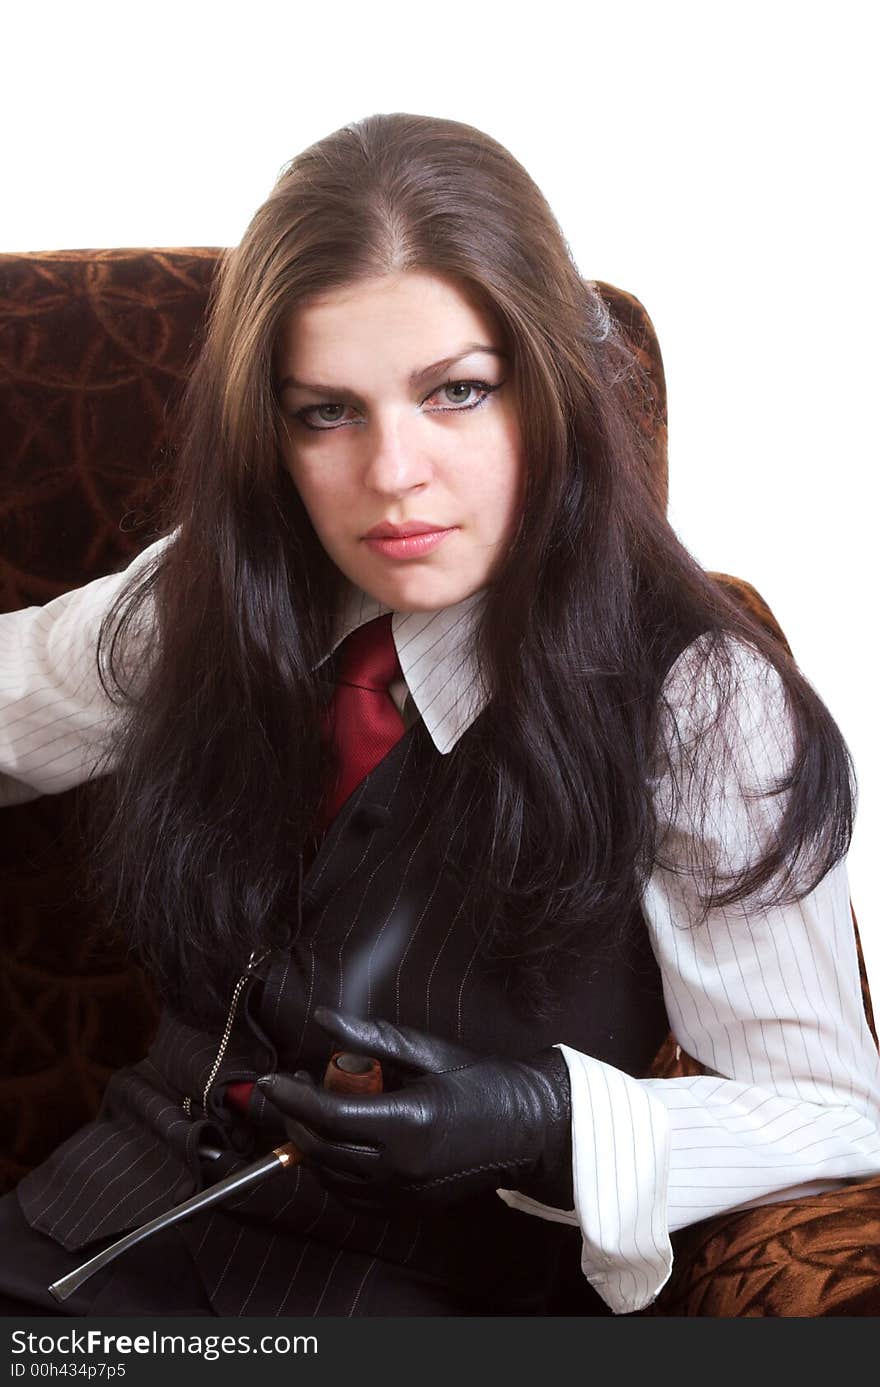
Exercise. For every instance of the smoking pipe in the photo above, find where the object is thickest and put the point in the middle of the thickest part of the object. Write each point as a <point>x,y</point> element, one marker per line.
<point>345,1073</point>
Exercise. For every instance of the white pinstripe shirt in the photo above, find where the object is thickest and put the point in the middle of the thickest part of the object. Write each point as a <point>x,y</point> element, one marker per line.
<point>768,1002</point>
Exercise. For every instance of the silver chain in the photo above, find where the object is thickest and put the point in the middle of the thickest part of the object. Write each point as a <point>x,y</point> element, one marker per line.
<point>252,963</point>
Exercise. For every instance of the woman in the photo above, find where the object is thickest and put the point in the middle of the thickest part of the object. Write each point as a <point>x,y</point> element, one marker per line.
<point>599,800</point>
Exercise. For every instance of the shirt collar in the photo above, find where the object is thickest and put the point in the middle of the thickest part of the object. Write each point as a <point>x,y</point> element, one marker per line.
<point>435,657</point>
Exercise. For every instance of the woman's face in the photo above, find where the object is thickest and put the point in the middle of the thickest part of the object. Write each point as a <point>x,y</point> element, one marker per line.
<point>378,435</point>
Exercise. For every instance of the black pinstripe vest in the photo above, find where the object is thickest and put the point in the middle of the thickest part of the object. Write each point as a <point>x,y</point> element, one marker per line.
<point>384,932</point>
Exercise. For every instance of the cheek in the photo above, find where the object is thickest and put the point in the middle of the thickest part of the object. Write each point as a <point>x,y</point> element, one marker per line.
<point>318,505</point>
<point>508,469</point>
<point>306,478</point>
<point>503,489</point>
<point>290,466</point>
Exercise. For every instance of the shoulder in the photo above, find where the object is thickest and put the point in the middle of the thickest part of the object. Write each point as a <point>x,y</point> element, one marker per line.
<point>726,733</point>
<point>724,685</point>
<point>724,756</point>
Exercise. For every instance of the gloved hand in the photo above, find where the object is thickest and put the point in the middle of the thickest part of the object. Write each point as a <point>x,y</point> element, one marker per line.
<point>457,1124</point>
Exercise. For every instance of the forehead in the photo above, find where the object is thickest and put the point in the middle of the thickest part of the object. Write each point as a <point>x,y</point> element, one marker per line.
<point>412,317</point>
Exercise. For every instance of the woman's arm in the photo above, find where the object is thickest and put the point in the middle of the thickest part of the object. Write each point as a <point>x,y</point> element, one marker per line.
<point>54,714</point>
<point>769,1002</point>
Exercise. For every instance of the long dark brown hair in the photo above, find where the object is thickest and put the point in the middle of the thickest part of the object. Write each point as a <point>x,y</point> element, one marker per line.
<point>217,759</point>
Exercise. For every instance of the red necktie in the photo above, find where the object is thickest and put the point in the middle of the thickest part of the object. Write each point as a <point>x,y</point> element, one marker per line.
<point>362,721</point>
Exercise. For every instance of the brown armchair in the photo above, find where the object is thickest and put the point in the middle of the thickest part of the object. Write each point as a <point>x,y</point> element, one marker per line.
<point>93,344</point>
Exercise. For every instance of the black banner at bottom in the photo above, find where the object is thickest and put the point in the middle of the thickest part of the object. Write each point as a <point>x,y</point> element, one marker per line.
<point>128,1352</point>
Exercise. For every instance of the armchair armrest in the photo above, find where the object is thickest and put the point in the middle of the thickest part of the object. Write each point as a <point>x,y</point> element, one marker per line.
<point>812,1256</point>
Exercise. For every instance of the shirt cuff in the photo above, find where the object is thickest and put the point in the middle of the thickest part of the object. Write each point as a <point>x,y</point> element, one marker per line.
<point>620,1169</point>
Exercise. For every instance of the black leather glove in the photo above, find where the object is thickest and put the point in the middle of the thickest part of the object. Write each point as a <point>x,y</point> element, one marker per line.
<point>454,1124</point>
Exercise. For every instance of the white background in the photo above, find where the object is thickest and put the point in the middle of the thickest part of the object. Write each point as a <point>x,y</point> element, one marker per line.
<point>718,163</point>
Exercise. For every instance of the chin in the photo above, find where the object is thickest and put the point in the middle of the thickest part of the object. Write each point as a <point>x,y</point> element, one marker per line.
<point>410,594</point>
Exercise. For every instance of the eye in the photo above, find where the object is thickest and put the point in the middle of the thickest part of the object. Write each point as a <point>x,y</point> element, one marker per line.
<point>313,409</point>
<point>468,385</point>
<point>325,425</point>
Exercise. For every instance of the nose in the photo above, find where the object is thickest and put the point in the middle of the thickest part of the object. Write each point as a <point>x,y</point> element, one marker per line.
<point>396,456</point>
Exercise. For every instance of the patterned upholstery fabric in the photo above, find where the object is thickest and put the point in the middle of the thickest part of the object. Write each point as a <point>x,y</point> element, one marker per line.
<point>93,344</point>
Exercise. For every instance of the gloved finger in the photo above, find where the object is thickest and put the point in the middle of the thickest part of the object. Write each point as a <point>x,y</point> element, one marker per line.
<point>345,1117</point>
<point>403,1045</point>
<point>385,1194</point>
<point>340,1158</point>
<point>359,1195</point>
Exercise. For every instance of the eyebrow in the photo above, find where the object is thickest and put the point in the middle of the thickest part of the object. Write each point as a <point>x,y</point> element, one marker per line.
<point>415,377</point>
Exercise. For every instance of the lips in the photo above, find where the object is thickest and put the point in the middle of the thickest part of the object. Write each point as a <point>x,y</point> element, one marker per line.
<point>406,547</point>
<point>385,530</point>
